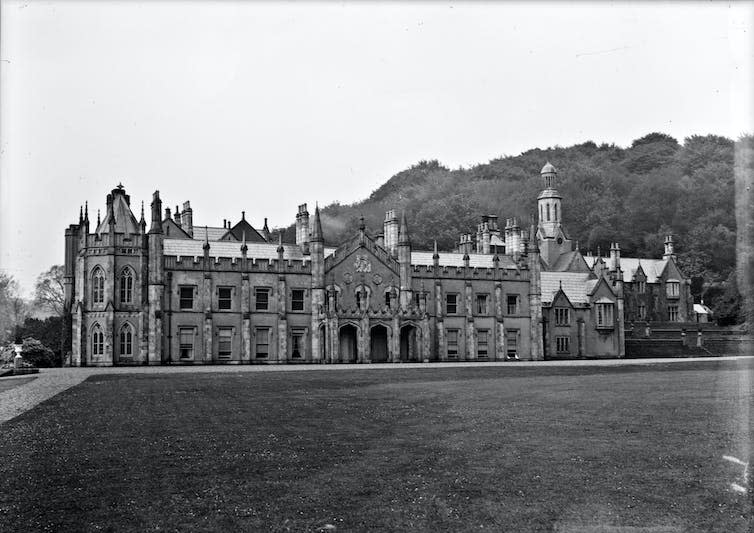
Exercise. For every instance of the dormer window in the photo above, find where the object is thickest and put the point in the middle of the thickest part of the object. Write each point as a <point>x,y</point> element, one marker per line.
<point>673,289</point>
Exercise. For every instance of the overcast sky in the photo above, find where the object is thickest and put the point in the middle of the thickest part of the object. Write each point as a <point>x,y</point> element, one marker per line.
<point>259,107</point>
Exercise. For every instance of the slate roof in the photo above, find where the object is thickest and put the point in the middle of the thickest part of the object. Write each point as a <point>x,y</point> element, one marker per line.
<point>567,261</point>
<point>702,309</point>
<point>652,268</point>
<point>125,221</point>
<point>576,285</point>
<point>455,259</point>
<point>194,248</point>
<point>213,233</point>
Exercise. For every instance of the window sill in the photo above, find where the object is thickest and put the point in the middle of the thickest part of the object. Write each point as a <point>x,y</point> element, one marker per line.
<point>606,328</point>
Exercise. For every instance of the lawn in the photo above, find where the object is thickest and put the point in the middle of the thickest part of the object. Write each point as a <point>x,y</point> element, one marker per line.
<point>439,449</point>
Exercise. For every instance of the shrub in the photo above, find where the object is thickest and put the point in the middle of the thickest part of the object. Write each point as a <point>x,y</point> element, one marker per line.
<point>38,354</point>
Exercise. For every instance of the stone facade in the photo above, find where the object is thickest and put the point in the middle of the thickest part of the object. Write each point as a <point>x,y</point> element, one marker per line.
<point>179,294</point>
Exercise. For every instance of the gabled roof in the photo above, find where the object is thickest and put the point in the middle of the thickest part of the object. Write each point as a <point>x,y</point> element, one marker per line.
<point>243,227</point>
<point>570,262</point>
<point>574,285</point>
<point>172,230</point>
<point>125,222</point>
<point>653,268</point>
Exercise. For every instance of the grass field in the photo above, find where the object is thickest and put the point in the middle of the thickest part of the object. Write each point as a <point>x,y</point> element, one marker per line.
<point>439,449</point>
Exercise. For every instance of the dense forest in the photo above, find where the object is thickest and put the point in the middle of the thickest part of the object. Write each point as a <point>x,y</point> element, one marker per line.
<point>634,195</point>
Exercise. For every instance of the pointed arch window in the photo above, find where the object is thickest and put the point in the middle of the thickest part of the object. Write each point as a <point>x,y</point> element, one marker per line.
<point>556,212</point>
<point>126,340</point>
<point>98,340</point>
<point>98,286</point>
<point>127,286</point>
<point>548,212</point>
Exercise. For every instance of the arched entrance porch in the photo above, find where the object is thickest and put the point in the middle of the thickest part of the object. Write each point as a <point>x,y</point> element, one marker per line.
<point>409,345</point>
<point>378,350</point>
<point>348,341</point>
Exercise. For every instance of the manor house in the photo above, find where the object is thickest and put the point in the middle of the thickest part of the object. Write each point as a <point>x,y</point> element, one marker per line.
<point>181,294</point>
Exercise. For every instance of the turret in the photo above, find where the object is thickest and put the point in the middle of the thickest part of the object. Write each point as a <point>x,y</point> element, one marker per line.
<point>156,210</point>
<point>614,257</point>
<point>302,227</point>
<point>669,253</point>
<point>549,202</point>
<point>187,218</point>
<point>317,250</point>
<point>404,261</point>
<point>390,227</point>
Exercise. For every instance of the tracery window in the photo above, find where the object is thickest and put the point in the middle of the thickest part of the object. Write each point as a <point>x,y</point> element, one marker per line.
<point>126,340</point>
<point>98,286</point>
<point>98,340</point>
<point>127,286</point>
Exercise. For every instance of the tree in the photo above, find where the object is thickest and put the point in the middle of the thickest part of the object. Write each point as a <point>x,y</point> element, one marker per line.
<point>49,291</point>
<point>13,308</point>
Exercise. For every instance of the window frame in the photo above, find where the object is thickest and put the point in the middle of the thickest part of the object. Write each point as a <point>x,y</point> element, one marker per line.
<point>126,336</point>
<point>98,285</point>
<point>604,315</point>
<point>641,309</point>
<point>482,311</point>
<point>673,289</point>
<point>456,335</point>
<point>224,303</point>
<point>454,295</point>
<point>126,286</point>
<point>511,334</point>
<point>296,301</point>
<point>517,308</point>
<point>183,346</point>
<point>181,298</point>
<point>267,331</point>
<point>299,334</point>
<point>267,291</point>
<point>224,334</point>
<point>486,333</point>
<point>561,320</point>
<point>673,314</point>
<point>563,344</point>
<point>98,341</point>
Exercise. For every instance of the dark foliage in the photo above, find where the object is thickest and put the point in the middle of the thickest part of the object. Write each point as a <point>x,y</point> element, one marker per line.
<point>38,354</point>
<point>632,195</point>
<point>48,334</point>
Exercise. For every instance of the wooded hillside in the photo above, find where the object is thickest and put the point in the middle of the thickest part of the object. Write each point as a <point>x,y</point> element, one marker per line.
<point>633,195</point>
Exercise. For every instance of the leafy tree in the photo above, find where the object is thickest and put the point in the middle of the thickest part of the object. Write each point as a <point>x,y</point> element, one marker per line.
<point>635,196</point>
<point>13,308</point>
<point>49,291</point>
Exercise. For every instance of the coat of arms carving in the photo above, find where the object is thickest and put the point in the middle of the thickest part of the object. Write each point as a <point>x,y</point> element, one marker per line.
<point>362,264</point>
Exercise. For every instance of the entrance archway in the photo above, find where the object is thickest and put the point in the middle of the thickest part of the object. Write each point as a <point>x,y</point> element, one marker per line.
<point>348,341</point>
<point>378,345</point>
<point>409,345</point>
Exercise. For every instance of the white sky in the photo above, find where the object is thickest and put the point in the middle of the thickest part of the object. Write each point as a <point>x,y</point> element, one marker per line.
<point>259,107</point>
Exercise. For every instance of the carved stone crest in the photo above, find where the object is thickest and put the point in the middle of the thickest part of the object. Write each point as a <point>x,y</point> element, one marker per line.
<point>362,264</point>
<point>377,279</point>
<point>348,278</point>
